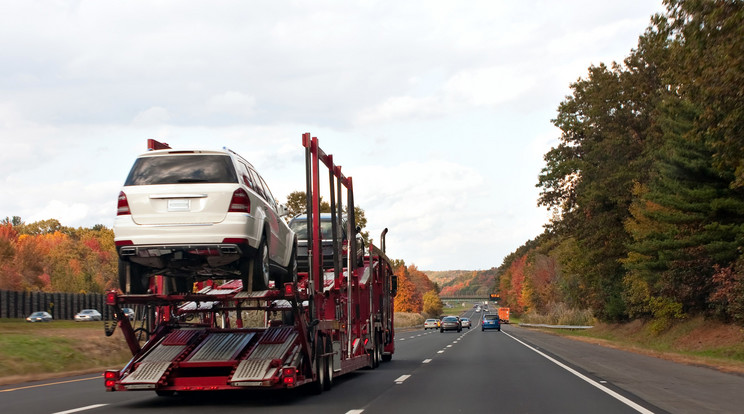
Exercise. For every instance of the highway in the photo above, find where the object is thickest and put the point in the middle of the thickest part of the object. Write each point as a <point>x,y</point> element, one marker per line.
<point>516,370</point>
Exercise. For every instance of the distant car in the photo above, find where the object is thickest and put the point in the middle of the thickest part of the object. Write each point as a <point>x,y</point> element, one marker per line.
<point>183,213</point>
<point>88,315</point>
<point>477,308</point>
<point>450,323</point>
<point>299,226</point>
<point>39,317</point>
<point>465,322</point>
<point>430,324</point>
<point>128,312</point>
<point>490,321</point>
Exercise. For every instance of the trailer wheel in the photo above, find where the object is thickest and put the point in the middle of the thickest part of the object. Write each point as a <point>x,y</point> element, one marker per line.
<point>329,366</point>
<point>387,357</point>
<point>321,369</point>
<point>131,277</point>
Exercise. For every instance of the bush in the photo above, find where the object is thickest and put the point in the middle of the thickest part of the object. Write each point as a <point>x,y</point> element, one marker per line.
<point>560,314</point>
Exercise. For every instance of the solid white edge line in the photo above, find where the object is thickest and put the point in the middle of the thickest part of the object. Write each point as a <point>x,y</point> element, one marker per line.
<point>355,411</point>
<point>426,361</point>
<point>613,394</point>
<point>75,410</point>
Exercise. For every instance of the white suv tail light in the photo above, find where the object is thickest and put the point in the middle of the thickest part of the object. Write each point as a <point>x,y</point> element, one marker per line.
<point>122,206</point>
<point>240,202</point>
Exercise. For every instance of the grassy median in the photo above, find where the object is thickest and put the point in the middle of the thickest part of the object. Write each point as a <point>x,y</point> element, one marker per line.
<point>31,351</point>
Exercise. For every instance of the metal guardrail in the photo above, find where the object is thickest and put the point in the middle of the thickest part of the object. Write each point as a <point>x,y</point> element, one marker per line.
<point>542,325</point>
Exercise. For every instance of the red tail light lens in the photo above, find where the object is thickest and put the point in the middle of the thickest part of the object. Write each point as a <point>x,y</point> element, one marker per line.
<point>240,202</point>
<point>122,206</point>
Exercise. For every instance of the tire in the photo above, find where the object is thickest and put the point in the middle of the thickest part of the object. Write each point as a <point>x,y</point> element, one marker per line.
<point>291,275</point>
<point>329,367</point>
<point>320,367</point>
<point>387,357</point>
<point>131,275</point>
<point>257,269</point>
<point>441,331</point>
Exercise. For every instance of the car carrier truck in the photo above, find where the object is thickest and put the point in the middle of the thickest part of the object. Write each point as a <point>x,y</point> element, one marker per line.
<point>222,335</point>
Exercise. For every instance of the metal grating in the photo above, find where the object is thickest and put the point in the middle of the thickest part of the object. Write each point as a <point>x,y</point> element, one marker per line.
<point>276,335</point>
<point>221,346</point>
<point>147,372</point>
<point>163,353</point>
<point>180,337</point>
<point>253,370</point>
<point>271,350</point>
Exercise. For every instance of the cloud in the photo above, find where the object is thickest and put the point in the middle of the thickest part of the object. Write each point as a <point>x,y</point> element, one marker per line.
<point>153,116</point>
<point>232,102</point>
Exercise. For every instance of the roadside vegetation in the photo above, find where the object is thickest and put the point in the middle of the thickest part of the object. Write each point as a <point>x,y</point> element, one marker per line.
<point>30,351</point>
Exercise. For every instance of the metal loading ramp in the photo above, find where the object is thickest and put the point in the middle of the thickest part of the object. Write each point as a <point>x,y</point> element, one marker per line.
<point>274,345</point>
<point>221,346</point>
<point>155,364</point>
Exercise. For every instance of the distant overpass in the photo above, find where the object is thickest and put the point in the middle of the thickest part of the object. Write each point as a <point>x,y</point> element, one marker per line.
<point>465,297</point>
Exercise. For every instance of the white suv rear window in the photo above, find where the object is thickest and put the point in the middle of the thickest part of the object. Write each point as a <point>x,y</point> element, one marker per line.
<point>182,169</point>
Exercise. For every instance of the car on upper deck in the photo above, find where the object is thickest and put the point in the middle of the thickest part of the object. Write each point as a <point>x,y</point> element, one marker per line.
<point>192,215</point>
<point>299,226</point>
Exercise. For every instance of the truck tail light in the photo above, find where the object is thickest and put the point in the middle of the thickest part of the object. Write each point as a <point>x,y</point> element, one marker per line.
<point>111,298</point>
<point>240,202</point>
<point>289,376</point>
<point>110,378</point>
<point>122,205</point>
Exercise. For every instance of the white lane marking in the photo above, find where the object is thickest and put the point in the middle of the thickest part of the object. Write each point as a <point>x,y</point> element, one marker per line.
<point>449,346</point>
<point>402,339</point>
<point>355,411</point>
<point>440,352</point>
<point>75,410</point>
<point>401,379</point>
<point>426,361</point>
<point>613,394</point>
<point>411,337</point>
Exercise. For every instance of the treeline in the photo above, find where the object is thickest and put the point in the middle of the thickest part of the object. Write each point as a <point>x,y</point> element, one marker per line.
<point>416,292</point>
<point>475,282</point>
<point>647,184</point>
<point>45,256</point>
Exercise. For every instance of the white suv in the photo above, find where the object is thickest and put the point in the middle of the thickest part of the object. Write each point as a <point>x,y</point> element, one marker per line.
<point>196,215</point>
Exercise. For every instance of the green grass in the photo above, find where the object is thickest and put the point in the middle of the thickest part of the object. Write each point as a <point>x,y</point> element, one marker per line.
<point>56,347</point>
<point>696,337</point>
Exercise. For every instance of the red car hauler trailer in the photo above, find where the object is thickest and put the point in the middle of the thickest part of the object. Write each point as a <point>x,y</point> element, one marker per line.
<point>322,324</point>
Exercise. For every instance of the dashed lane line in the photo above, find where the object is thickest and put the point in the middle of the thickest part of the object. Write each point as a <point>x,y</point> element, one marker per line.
<point>76,410</point>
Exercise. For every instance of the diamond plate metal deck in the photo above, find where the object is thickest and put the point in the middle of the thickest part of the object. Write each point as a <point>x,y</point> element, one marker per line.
<point>163,353</point>
<point>221,346</point>
<point>147,372</point>
<point>253,370</point>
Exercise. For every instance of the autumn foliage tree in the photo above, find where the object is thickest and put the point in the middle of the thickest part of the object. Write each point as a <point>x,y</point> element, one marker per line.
<point>46,256</point>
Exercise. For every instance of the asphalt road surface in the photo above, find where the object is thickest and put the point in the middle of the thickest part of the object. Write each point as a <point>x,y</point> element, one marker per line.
<point>516,370</point>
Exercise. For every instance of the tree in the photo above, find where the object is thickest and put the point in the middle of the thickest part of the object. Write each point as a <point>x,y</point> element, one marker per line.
<point>432,303</point>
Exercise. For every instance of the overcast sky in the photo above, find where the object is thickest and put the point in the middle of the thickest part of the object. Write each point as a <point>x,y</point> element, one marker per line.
<point>439,110</point>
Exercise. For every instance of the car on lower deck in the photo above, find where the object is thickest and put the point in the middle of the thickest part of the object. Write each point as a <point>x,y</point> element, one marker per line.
<point>192,215</point>
<point>490,321</point>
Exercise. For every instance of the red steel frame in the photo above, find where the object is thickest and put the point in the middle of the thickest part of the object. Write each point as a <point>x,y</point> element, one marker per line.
<point>348,320</point>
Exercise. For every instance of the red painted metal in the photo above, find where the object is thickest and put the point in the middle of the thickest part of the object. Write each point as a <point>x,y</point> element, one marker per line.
<point>348,319</point>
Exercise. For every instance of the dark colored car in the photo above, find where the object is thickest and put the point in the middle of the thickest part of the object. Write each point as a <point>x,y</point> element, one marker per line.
<point>450,323</point>
<point>490,321</point>
<point>299,226</point>
<point>39,317</point>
